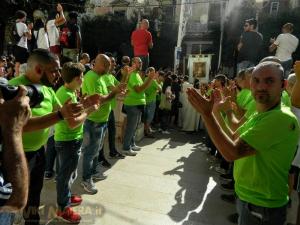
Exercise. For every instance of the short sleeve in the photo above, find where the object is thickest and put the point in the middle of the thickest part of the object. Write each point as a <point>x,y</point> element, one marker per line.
<point>259,136</point>
<point>55,101</point>
<point>50,23</point>
<point>134,80</point>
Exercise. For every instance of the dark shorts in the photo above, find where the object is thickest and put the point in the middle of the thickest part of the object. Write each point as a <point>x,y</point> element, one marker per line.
<point>21,54</point>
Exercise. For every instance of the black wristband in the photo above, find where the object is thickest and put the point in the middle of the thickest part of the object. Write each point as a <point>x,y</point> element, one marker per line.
<point>60,116</point>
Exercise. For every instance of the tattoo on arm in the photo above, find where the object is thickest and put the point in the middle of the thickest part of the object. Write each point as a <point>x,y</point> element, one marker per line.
<point>244,149</point>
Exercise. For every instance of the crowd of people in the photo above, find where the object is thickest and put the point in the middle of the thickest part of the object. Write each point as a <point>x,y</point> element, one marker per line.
<point>251,120</point>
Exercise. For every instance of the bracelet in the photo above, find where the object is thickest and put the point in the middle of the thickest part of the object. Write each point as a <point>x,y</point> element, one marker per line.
<point>60,115</point>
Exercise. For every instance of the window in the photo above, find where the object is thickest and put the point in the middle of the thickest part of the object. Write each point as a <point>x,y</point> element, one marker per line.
<point>274,8</point>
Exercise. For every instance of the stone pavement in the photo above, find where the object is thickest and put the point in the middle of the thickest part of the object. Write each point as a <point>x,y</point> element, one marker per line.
<point>170,181</point>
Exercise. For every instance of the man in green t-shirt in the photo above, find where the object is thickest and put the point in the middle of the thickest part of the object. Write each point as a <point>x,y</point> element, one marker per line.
<point>134,104</point>
<point>111,82</point>
<point>151,93</point>
<point>96,123</point>
<point>262,148</point>
<point>42,68</point>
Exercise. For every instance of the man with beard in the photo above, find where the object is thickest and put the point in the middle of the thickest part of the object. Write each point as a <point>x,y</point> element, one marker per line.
<point>43,68</point>
<point>262,148</point>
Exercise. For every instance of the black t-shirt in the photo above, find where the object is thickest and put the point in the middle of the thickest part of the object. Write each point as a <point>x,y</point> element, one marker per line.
<point>74,28</point>
<point>252,46</point>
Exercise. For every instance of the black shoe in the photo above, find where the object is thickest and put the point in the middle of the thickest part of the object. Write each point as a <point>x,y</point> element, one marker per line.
<point>106,164</point>
<point>117,155</point>
<point>228,198</point>
<point>48,175</point>
<point>226,177</point>
<point>228,186</point>
<point>233,218</point>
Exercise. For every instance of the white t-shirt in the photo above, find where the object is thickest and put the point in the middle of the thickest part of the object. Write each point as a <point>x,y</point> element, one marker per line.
<point>22,29</point>
<point>286,45</point>
<point>296,161</point>
<point>53,33</point>
<point>42,41</point>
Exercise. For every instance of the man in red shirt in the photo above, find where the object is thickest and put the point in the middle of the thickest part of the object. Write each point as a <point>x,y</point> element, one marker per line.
<point>141,40</point>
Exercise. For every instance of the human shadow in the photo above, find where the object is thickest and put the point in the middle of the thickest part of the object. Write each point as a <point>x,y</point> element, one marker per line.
<point>193,183</point>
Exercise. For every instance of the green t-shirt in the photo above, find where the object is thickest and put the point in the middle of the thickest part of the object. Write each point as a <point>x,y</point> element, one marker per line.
<point>134,98</point>
<point>62,131</point>
<point>94,84</point>
<point>243,98</point>
<point>285,99</point>
<point>33,141</point>
<point>151,91</point>
<point>262,179</point>
<point>110,80</point>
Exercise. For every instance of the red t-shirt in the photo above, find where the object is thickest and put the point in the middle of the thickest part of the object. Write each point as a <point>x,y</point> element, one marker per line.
<point>141,40</point>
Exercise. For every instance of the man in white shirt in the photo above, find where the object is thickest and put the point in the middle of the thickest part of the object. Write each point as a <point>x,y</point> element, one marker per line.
<point>21,48</point>
<point>285,44</point>
<point>54,21</point>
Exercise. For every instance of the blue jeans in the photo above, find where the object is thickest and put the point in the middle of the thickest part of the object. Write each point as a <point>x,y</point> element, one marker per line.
<point>133,118</point>
<point>244,65</point>
<point>7,218</point>
<point>68,153</point>
<point>149,111</point>
<point>250,214</point>
<point>287,66</point>
<point>94,137</point>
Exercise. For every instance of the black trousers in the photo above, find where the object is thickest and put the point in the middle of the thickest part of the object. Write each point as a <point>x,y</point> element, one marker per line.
<point>36,165</point>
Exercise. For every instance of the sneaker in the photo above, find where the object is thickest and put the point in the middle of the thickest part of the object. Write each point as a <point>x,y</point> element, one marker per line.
<point>129,153</point>
<point>89,186</point>
<point>106,164</point>
<point>75,200</point>
<point>116,155</point>
<point>226,177</point>
<point>165,132</point>
<point>233,218</point>
<point>69,216</point>
<point>136,148</point>
<point>99,176</point>
<point>48,175</point>
<point>228,198</point>
<point>220,170</point>
<point>228,186</point>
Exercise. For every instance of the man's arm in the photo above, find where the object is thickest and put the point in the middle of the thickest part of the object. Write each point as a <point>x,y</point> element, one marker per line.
<point>69,111</point>
<point>14,114</point>
<point>146,83</point>
<point>28,34</point>
<point>229,148</point>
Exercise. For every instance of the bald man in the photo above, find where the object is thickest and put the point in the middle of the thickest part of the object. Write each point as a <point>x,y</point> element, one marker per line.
<point>262,148</point>
<point>141,40</point>
<point>96,123</point>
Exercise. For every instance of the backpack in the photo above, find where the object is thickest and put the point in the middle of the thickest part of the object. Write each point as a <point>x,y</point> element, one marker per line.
<point>15,37</point>
<point>65,33</point>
